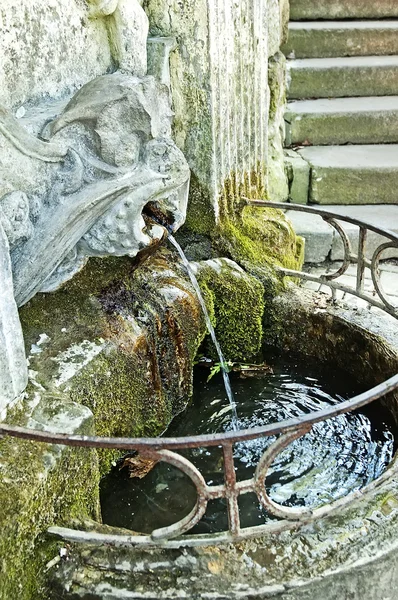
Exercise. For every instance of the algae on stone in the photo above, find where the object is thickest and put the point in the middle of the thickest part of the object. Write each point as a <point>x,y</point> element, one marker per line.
<point>261,237</point>
<point>111,337</point>
<point>41,485</point>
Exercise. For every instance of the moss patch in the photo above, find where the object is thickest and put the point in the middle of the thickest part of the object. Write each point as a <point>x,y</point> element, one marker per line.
<point>261,237</point>
<point>40,485</point>
<point>121,339</point>
<point>237,302</point>
<point>200,217</point>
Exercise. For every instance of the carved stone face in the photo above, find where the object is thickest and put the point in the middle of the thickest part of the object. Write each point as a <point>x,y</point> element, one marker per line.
<point>111,155</point>
<point>132,122</point>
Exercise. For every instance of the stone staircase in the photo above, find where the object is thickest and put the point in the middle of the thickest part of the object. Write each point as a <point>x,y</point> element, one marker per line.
<point>342,114</point>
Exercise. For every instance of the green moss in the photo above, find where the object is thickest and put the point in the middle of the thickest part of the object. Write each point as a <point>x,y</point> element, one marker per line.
<point>40,485</point>
<point>262,237</point>
<point>200,217</point>
<point>137,334</point>
<point>75,306</point>
<point>124,403</point>
<point>237,302</point>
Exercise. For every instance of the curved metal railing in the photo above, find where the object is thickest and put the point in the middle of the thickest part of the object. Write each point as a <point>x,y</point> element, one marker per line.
<point>164,449</point>
<point>378,297</point>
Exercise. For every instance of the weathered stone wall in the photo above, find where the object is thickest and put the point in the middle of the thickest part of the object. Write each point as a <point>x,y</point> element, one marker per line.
<point>49,48</point>
<point>100,355</point>
<point>40,484</point>
<point>222,102</point>
<point>278,19</point>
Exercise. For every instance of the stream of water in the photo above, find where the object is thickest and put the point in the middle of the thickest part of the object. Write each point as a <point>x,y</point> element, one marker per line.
<point>223,363</point>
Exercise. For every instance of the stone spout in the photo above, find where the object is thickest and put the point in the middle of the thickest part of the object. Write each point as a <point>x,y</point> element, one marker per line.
<point>107,155</point>
<point>80,190</point>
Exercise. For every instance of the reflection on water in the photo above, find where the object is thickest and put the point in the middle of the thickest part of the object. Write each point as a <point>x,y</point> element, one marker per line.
<point>339,456</point>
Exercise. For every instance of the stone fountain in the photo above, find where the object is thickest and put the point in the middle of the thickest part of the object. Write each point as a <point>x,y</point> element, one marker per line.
<point>110,109</point>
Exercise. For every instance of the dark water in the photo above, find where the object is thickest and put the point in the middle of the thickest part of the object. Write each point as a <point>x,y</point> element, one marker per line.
<point>339,456</point>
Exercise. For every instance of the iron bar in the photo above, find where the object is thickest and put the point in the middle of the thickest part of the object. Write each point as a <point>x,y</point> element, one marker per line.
<point>231,492</point>
<point>361,260</point>
<point>215,439</point>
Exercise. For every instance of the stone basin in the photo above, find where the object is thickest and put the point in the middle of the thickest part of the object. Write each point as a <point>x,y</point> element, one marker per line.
<point>349,553</point>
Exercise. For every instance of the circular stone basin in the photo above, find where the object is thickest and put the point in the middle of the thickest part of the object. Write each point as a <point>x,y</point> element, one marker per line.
<point>338,456</point>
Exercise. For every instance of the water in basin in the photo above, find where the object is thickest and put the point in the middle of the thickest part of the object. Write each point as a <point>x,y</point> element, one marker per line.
<point>339,456</point>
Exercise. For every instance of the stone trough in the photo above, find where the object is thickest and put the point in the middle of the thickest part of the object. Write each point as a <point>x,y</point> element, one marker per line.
<point>348,548</point>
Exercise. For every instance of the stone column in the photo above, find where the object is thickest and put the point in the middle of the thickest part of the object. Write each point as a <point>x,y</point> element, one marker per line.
<point>13,367</point>
<point>219,86</point>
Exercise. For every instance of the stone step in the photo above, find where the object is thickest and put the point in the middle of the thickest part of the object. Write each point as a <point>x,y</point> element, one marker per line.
<point>368,120</point>
<point>342,9</point>
<point>323,242</point>
<point>340,77</point>
<point>363,174</point>
<point>325,39</point>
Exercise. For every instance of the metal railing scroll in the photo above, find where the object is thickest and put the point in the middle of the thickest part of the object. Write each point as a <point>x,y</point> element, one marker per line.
<point>166,449</point>
<point>388,241</point>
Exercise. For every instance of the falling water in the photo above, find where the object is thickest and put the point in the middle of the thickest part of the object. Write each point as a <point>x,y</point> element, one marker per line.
<point>227,382</point>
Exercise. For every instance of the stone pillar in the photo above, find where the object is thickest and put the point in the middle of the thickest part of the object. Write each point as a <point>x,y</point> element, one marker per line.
<point>13,367</point>
<point>219,86</point>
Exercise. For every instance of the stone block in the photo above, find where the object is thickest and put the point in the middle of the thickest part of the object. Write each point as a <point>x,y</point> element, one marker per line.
<point>69,49</point>
<point>59,46</point>
<point>339,121</point>
<point>276,176</point>
<point>341,77</point>
<point>41,484</point>
<point>353,174</point>
<point>324,39</point>
<point>299,172</point>
<point>338,9</point>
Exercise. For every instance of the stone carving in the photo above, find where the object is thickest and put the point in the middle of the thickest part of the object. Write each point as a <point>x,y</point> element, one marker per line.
<point>75,176</point>
<point>81,189</point>
<point>81,193</point>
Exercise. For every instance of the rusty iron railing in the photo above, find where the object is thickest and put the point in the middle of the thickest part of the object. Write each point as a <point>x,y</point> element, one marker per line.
<point>378,297</point>
<point>164,449</point>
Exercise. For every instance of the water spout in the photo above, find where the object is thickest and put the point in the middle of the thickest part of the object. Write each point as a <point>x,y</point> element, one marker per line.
<point>194,281</point>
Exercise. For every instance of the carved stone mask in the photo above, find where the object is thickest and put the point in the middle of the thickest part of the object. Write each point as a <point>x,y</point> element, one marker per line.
<point>112,155</point>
